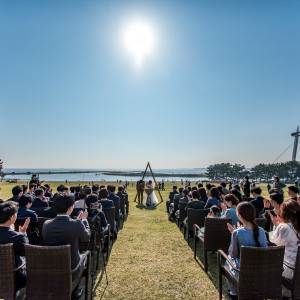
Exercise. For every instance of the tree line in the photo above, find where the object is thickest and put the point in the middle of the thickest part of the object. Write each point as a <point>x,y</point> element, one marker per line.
<point>289,171</point>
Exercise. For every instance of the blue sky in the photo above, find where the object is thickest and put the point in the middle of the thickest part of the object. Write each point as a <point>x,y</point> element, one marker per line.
<point>221,86</point>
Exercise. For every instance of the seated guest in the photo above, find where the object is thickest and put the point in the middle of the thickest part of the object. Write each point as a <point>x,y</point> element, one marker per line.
<point>271,206</point>
<point>258,201</point>
<point>50,212</point>
<point>247,235</point>
<point>77,192</point>
<point>237,193</point>
<point>171,197</point>
<point>72,190</point>
<point>8,216</point>
<point>95,189</point>
<point>195,202</point>
<point>293,192</point>
<point>214,198</point>
<point>120,192</point>
<point>48,192</point>
<point>287,233</point>
<point>185,197</point>
<point>225,191</point>
<point>229,208</point>
<point>214,212</point>
<point>208,188</point>
<point>64,189</point>
<point>39,200</point>
<point>24,211</point>
<point>17,192</point>
<point>25,188</point>
<point>179,195</point>
<point>112,196</point>
<point>93,199</point>
<point>81,203</point>
<point>202,194</point>
<point>106,203</point>
<point>32,188</point>
<point>65,231</point>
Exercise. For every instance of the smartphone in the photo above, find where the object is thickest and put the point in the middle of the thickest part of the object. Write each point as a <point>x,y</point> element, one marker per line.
<point>95,205</point>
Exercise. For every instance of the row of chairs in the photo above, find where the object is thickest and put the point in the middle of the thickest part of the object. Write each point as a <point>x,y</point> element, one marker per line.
<point>49,273</point>
<point>260,268</point>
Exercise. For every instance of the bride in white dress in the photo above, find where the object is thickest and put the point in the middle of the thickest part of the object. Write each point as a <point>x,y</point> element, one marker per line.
<point>151,197</point>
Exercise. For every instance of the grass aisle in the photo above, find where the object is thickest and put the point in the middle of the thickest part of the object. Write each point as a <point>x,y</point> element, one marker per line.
<point>151,260</point>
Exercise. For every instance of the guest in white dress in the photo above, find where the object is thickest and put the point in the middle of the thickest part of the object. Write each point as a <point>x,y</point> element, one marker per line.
<point>287,233</point>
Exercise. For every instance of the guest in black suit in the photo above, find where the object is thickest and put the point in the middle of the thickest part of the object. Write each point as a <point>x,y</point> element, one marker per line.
<point>105,202</point>
<point>258,201</point>
<point>39,200</point>
<point>95,189</point>
<point>77,192</point>
<point>293,192</point>
<point>171,197</point>
<point>8,216</point>
<point>17,192</point>
<point>65,231</point>
<point>122,194</point>
<point>112,196</point>
<point>24,211</point>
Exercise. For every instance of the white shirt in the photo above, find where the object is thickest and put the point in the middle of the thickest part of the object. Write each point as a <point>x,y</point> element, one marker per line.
<point>285,235</point>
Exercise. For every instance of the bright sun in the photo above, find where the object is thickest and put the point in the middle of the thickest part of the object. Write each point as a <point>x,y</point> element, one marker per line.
<point>139,41</point>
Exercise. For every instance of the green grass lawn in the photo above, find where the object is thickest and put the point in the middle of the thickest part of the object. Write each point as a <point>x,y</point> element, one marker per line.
<point>150,259</point>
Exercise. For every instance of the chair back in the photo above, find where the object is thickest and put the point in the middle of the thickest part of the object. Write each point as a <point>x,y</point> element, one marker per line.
<point>7,278</point>
<point>216,234</point>
<point>196,216</point>
<point>122,205</point>
<point>48,272</point>
<point>176,203</point>
<point>260,222</point>
<point>41,224</point>
<point>110,216</point>
<point>182,211</point>
<point>50,202</point>
<point>296,279</point>
<point>39,210</point>
<point>260,273</point>
<point>117,210</point>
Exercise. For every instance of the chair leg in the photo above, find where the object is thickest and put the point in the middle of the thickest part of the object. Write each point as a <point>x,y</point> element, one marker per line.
<point>184,231</point>
<point>87,287</point>
<point>195,245</point>
<point>220,286</point>
<point>205,260</point>
<point>98,259</point>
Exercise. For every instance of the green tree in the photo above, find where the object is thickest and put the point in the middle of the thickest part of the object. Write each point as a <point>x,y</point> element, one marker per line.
<point>2,174</point>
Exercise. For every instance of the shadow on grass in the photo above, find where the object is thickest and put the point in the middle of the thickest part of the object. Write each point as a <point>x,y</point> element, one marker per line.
<point>142,206</point>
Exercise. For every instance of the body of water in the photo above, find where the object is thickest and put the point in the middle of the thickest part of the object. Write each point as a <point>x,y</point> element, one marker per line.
<point>98,176</point>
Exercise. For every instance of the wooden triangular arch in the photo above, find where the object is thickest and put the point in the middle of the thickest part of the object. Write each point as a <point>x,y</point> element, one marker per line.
<point>148,166</point>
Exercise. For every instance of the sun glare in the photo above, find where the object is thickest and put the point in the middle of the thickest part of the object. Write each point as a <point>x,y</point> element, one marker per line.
<point>139,41</point>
